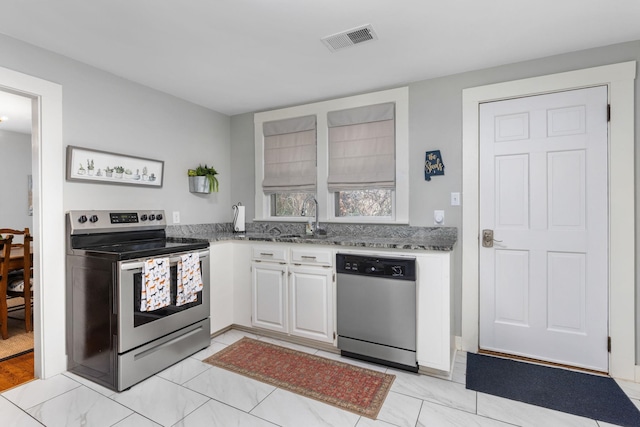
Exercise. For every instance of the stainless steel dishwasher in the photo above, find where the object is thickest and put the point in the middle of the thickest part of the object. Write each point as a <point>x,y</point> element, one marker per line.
<point>376,315</point>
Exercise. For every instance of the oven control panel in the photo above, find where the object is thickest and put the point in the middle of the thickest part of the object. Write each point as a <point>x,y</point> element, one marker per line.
<point>105,221</point>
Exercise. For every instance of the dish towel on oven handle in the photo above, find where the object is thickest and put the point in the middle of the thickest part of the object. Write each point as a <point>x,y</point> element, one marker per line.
<point>156,284</point>
<point>189,278</point>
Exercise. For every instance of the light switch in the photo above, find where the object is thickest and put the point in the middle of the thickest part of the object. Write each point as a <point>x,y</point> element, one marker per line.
<point>455,199</point>
<point>438,217</point>
<point>176,217</point>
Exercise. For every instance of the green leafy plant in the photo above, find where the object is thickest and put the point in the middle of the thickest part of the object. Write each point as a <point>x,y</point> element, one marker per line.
<point>208,172</point>
<point>90,164</point>
<point>119,169</point>
<point>108,169</point>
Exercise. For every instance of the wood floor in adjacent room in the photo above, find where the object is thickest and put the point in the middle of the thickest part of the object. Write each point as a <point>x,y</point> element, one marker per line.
<point>16,370</point>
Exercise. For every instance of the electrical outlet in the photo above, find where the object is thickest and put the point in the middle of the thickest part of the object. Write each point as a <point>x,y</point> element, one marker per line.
<point>176,217</point>
<point>455,199</point>
<point>438,217</point>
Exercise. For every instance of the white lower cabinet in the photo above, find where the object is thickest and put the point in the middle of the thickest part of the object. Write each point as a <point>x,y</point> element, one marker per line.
<point>311,302</point>
<point>269,305</point>
<point>221,257</point>
<point>294,298</point>
<point>293,292</point>
<point>435,341</point>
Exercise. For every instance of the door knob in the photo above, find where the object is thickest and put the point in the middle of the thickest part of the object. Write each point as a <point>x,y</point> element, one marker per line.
<point>487,239</point>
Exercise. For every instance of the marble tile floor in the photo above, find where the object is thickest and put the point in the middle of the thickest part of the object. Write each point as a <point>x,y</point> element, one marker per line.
<point>192,393</point>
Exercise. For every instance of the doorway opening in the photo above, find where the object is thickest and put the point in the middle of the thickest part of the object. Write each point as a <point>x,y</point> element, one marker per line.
<point>48,218</point>
<point>16,212</point>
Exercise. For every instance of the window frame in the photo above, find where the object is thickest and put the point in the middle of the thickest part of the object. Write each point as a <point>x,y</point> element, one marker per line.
<point>326,199</point>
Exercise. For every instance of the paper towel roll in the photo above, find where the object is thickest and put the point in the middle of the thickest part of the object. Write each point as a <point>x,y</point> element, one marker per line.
<point>238,221</point>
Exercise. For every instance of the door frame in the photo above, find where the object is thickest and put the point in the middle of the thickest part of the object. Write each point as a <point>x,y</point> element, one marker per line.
<point>47,159</point>
<point>620,81</point>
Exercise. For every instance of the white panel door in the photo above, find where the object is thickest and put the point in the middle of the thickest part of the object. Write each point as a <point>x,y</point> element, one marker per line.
<point>543,191</point>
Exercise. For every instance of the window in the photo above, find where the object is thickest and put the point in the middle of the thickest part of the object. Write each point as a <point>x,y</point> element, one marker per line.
<point>380,164</point>
<point>290,155</point>
<point>362,160</point>
<point>289,164</point>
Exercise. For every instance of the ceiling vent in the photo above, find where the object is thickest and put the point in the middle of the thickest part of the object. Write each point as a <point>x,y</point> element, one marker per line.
<point>350,37</point>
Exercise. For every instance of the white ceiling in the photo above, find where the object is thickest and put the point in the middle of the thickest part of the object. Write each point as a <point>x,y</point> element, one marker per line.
<point>237,56</point>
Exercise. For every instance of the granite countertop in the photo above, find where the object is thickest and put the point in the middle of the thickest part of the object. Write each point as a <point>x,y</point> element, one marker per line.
<point>421,238</point>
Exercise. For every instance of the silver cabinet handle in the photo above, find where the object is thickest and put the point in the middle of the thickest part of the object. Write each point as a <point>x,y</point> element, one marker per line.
<point>307,257</point>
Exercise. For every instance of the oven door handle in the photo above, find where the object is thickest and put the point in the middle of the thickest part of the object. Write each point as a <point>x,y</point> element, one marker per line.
<point>137,265</point>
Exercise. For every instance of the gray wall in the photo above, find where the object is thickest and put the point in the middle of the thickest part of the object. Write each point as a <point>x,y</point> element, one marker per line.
<point>243,163</point>
<point>105,112</point>
<point>435,122</point>
<point>15,158</point>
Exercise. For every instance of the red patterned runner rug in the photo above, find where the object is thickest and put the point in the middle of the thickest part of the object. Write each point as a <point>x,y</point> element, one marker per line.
<point>359,390</point>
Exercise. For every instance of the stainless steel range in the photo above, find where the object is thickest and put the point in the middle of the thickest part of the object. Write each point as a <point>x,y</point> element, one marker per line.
<point>112,339</point>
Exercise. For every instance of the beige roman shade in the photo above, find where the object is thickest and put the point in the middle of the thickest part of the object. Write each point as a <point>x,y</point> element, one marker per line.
<point>290,155</point>
<point>362,148</point>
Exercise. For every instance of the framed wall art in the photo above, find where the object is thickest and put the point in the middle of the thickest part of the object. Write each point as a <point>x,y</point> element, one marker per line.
<point>88,165</point>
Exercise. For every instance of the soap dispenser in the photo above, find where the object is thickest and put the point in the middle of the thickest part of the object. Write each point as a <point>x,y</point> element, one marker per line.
<point>309,228</point>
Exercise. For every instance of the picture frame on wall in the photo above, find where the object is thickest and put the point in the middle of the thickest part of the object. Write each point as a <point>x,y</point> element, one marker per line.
<point>97,166</point>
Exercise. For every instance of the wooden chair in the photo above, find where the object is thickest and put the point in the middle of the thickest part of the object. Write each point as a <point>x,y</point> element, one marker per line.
<point>12,272</point>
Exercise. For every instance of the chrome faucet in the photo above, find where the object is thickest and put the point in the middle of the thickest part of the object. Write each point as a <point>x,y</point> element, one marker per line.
<point>303,212</point>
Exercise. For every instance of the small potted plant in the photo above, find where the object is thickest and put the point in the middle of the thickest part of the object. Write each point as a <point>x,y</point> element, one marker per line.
<point>108,171</point>
<point>81,170</point>
<point>145,176</point>
<point>90,167</point>
<point>203,179</point>
<point>152,177</point>
<point>127,173</point>
<point>119,171</point>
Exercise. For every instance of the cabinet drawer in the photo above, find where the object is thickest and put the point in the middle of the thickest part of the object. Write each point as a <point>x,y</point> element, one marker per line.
<point>311,257</point>
<point>268,253</point>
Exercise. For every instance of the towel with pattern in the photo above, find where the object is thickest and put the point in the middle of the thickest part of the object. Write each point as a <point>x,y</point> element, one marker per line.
<point>156,284</point>
<point>189,278</point>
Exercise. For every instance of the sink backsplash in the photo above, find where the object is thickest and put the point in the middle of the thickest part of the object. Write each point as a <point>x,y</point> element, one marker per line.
<point>278,228</point>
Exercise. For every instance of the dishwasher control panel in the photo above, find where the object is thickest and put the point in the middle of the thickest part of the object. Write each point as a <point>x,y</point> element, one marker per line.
<point>395,268</point>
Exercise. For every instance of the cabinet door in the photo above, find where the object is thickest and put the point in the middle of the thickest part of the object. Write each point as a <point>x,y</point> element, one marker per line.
<point>269,296</point>
<point>434,316</point>
<point>311,295</point>
<point>222,284</point>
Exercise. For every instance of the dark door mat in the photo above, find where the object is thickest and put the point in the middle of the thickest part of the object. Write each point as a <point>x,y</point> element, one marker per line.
<point>578,393</point>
